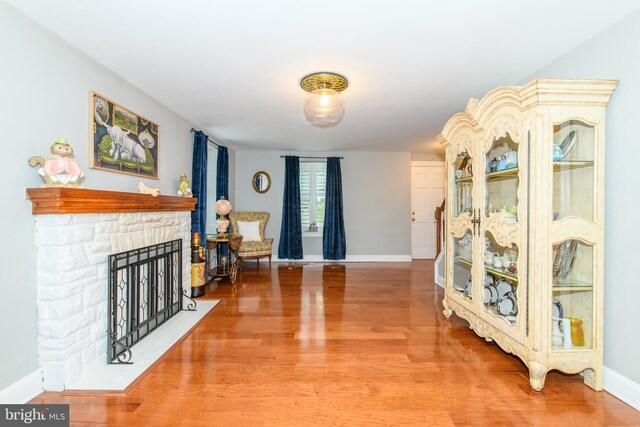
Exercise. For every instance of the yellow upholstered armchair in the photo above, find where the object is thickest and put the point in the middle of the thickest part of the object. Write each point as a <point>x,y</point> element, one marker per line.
<point>251,225</point>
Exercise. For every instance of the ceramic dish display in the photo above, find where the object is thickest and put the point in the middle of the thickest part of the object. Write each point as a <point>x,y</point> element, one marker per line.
<point>564,258</point>
<point>486,296</point>
<point>503,286</point>
<point>488,279</point>
<point>511,254</point>
<point>505,306</point>
<point>567,143</point>
<point>557,311</point>
<point>467,289</point>
<point>561,150</point>
<point>494,294</point>
<point>490,295</point>
<point>508,305</point>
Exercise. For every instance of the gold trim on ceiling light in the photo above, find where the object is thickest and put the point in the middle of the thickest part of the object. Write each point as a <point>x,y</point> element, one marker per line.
<point>324,80</point>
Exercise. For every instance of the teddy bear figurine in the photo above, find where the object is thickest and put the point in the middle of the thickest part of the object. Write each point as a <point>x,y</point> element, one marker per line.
<point>61,169</point>
<point>184,188</point>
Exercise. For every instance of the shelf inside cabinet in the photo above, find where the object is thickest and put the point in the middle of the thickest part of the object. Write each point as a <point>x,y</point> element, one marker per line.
<point>503,174</point>
<point>571,286</point>
<point>464,261</point>
<point>464,179</point>
<point>571,164</point>
<point>575,349</point>
<point>501,273</point>
<point>496,272</point>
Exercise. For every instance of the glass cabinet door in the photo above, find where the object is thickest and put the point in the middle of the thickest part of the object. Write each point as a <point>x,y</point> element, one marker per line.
<point>500,276</point>
<point>573,260</point>
<point>501,179</point>
<point>462,262</point>
<point>462,184</point>
<point>573,297</point>
<point>573,170</point>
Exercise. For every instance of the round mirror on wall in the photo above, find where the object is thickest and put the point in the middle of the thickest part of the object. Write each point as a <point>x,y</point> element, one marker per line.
<point>261,182</point>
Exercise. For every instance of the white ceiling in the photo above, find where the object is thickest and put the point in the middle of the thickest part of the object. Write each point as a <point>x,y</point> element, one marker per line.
<point>232,67</point>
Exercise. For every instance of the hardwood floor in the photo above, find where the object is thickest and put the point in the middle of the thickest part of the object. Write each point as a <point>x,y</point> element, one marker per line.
<point>354,344</point>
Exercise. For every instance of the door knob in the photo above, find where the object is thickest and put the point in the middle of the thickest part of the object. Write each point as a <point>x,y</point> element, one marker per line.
<point>413,219</point>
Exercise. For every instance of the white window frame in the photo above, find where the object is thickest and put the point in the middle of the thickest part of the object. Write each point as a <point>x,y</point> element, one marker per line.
<point>312,167</point>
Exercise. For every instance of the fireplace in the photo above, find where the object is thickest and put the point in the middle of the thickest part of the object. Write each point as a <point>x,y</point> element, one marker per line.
<point>76,232</point>
<point>145,290</point>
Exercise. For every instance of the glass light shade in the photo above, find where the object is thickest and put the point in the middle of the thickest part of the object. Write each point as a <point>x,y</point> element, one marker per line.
<point>223,207</point>
<point>324,107</point>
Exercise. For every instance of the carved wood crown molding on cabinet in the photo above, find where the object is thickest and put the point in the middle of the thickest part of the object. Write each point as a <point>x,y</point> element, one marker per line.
<point>58,200</point>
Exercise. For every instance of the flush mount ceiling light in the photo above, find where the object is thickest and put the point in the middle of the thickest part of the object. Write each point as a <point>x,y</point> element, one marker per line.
<point>324,106</point>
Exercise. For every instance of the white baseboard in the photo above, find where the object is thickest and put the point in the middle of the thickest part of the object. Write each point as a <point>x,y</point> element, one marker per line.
<point>23,390</point>
<point>622,388</point>
<point>351,258</point>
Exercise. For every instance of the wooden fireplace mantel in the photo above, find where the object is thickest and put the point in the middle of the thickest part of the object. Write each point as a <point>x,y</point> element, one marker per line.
<point>81,201</point>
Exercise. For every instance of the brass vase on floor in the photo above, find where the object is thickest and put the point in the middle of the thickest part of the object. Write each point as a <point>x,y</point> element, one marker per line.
<point>198,267</point>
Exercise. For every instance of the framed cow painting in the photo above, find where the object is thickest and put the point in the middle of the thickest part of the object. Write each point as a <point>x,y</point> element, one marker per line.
<point>120,140</point>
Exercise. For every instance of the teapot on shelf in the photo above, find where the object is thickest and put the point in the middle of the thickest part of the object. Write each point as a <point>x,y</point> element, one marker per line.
<point>488,253</point>
<point>506,260</point>
<point>488,257</point>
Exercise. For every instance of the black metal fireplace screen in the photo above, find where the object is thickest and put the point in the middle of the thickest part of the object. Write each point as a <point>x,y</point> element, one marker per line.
<point>145,290</point>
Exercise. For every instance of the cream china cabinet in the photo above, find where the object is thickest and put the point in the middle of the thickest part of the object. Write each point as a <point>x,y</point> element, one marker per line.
<point>524,226</point>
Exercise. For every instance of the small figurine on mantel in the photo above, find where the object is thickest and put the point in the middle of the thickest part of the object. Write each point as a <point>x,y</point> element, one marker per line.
<point>148,190</point>
<point>61,169</point>
<point>184,188</point>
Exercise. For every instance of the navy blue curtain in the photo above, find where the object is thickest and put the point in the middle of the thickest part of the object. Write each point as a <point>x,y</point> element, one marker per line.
<point>290,246</point>
<point>334,243</point>
<point>222,174</point>
<point>199,184</point>
<point>222,184</point>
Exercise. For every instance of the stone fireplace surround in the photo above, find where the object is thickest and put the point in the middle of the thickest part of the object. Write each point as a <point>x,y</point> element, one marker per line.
<point>76,231</point>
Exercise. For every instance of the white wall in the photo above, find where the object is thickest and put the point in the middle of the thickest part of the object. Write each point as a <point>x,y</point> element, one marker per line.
<point>428,157</point>
<point>376,190</point>
<point>44,86</point>
<point>232,174</point>
<point>615,54</point>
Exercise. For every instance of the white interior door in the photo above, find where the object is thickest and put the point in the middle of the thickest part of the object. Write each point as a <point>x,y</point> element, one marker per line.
<point>427,193</point>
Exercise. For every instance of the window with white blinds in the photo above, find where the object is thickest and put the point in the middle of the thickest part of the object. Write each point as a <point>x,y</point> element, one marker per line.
<point>313,179</point>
